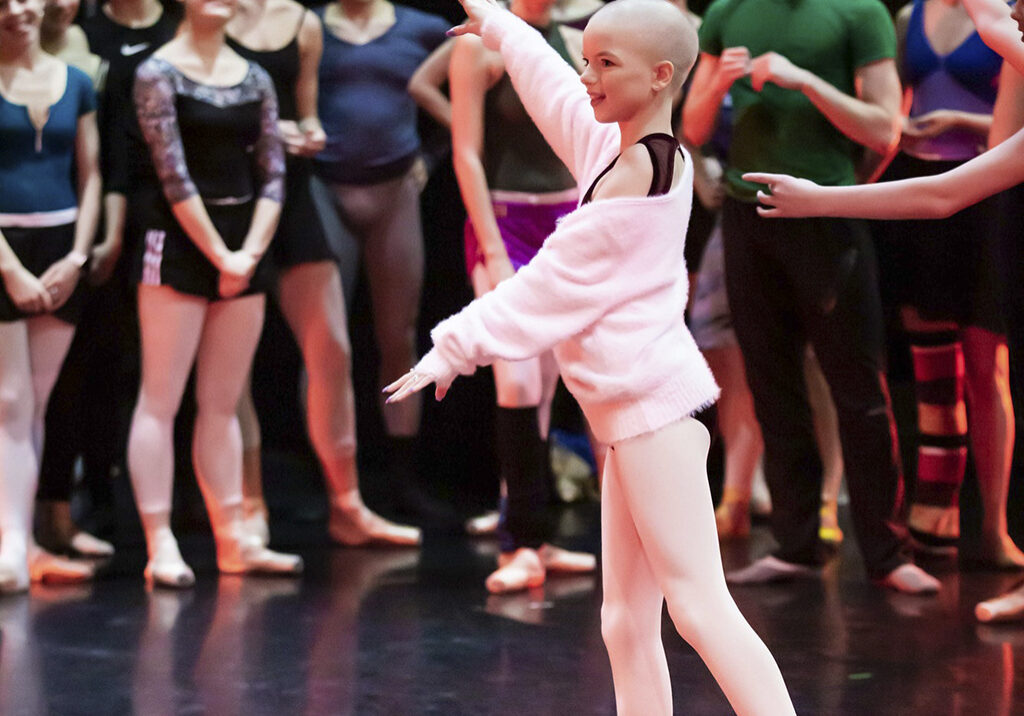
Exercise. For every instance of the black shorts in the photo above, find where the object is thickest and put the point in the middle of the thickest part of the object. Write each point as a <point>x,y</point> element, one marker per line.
<point>945,268</point>
<point>37,249</point>
<point>301,237</point>
<point>166,256</point>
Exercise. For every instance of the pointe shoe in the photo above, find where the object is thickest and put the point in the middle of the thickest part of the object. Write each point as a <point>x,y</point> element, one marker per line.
<point>520,570</point>
<point>910,579</point>
<point>255,521</point>
<point>166,568</point>
<point>485,524</point>
<point>732,519</point>
<point>1004,608</point>
<point>53,569</point>
<point>242,553</point>
<point>828,528</point>
<point>87,545</point>
<point>556,559</point>
<point>354,527</point>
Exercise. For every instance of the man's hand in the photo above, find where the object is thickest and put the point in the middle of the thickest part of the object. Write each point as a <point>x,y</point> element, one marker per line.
<point>773,67</point>
<point>733,63</point>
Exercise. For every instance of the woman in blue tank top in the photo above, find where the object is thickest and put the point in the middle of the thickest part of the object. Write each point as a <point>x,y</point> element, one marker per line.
<point>947,279</point>
<point>48,144</point>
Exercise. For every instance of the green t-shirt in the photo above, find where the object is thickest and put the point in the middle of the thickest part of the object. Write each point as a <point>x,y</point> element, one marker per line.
<point>779,130</point>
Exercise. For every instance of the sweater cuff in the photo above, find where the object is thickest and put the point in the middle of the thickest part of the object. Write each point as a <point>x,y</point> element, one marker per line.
<point>494,28</point>
<point>434,365</point>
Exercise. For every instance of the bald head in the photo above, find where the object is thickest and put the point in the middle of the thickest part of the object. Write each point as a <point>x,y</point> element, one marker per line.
<point>658,29</point>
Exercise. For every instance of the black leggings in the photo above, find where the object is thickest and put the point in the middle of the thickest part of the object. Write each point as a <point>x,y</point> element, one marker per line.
<point>791,281</point>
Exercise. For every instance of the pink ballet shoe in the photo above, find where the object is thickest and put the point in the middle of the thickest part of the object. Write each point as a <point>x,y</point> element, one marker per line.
<point>87,545</point>
<point>254,520</point>
<point>520,570</point>
<point>359,525</point>
<point>166,568</point>
<point>13,578</point>
<point>1004,608</point>
<point>46,567</point>
<point>556,559</point>
<point>910,579</point>
<point>241,553</point>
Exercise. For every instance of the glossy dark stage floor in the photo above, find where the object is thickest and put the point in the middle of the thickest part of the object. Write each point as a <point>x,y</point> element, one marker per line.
<point>402,632</point>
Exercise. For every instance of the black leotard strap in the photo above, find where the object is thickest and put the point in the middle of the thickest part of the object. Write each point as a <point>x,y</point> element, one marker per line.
<point>662,148</point>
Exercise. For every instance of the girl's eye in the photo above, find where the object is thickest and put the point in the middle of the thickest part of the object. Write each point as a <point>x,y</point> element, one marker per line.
<point>606,63</point>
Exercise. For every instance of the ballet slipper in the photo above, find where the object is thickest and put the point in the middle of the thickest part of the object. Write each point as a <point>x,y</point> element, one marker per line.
<point>828,529</point>
<point>357,525</point>
<point>241,553</point>
<point>1004,608</point>
<point>485,524</point>
<point>732,519</point>
<point>910,579</point>
<point>768,570</point>
<point>47,567</point>
<point>166,568</point>
<point>254,520</point>
<point>14,578</point>
<point>556,559</point>
<point>87,545</point>
<point>517,571</point>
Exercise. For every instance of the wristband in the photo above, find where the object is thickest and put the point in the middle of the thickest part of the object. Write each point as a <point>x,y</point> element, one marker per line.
<point>77,258</point>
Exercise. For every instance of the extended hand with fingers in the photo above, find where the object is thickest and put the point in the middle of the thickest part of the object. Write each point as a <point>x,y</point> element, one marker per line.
<point>789,197</point>
<point>476,12</point>
<point>431,369</point>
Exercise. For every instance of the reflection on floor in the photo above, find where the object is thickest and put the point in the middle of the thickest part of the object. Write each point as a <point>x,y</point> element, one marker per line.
<point>402,632</point>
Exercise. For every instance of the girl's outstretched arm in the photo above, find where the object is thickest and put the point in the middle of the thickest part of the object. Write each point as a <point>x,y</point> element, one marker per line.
<point>932,197</point>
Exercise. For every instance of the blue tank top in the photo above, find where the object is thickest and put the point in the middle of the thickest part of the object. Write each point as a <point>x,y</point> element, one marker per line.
<point>366,110</point>
<point>966,79</point>
<point>36,166</point>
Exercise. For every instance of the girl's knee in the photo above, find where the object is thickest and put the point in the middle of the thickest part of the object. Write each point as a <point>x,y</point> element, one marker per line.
<point>17,406</point>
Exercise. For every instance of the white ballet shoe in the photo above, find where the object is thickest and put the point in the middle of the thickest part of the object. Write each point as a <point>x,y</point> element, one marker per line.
<point>166,568</point>
<point>13,577</point>
<point>768,570</point>
<point>1006,607</point>
<point>485,524</point>
<point>910,579</point>
<point>556,559</point>
<point>254,520</point>
<point>354,526</point>
<point>241,553</point>
<point>87,545</point>
<point>46,567</point>
<point>520,570</point>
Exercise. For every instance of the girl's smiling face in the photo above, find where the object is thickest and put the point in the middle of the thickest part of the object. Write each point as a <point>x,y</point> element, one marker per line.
<point>20,20</point>
<point>617,76</point>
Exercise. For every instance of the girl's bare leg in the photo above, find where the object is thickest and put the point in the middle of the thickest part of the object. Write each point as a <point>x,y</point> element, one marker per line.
<point>991,435</point>
<point>254,507</point>
<point>661,483</point>
<point>312,302</point>
<point>170,325</point>
<point>226,348</point>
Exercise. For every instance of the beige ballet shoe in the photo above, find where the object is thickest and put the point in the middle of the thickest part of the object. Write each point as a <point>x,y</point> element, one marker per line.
<point>556,559</point>
<point>241,553</point>
<point>1004,608</point>
<point>517,571</point>
<point>87,545</point>
<point>910,579</point>
<point>359,525</point>
<point>46,567</point>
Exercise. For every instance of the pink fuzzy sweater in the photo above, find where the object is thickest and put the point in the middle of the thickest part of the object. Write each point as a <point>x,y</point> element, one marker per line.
<point>607,290</point>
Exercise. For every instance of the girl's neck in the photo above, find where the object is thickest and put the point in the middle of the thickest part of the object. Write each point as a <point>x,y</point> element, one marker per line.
<point>205,40</point>
<point>134,13</point>
<point>657,119</point>
<point>26,56</point>
<point>360,11</point>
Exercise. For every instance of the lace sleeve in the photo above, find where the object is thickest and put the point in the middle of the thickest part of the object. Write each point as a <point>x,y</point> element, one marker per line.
<point>269,148</point>
<point>154,103</point>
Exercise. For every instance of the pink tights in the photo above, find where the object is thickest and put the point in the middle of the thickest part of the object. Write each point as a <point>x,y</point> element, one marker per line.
<point>660,544</point>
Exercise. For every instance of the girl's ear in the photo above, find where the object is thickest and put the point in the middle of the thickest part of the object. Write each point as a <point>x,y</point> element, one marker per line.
<point>664,71</point>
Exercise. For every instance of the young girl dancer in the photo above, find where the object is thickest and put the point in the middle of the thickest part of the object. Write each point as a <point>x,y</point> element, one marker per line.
<point>933,197</point>
<point>607,292</point>
<point>49,204</point>
<point>210,120</point>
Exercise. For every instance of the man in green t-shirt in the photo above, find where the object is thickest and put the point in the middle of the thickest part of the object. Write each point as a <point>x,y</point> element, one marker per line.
<point>810,80</point>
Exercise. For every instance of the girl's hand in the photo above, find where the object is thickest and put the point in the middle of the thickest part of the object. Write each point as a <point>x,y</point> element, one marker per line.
<point>316,138</point>
<point>476,12</point>
<point>294,139</point>
<point>499,268</point>
<point>236,270</point>
<point>27,292</point>
<point>789,197</point>
<point>432,368</point>
<point>930,124</point>
<point>102,262</point>
<point>60,281</point>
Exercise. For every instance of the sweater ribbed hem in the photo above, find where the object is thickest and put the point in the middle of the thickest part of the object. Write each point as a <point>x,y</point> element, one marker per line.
<point>680,397</point>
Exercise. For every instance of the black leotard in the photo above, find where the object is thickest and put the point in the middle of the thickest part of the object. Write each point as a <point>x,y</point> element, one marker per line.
<point>663,149</point>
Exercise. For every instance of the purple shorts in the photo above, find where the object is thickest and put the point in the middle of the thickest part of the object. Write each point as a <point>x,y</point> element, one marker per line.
<point>523,227</point>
